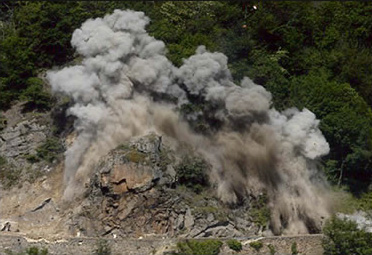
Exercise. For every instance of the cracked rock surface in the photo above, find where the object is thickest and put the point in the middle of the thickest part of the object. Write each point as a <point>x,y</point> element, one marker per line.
<point>133,193</point>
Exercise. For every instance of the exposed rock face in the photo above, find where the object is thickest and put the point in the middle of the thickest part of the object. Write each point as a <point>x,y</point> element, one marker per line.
<point>133,194</point>
<point>23,134</point>
<point>22,138</point>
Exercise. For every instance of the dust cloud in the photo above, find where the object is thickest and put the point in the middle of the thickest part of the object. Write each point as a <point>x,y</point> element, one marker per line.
<point>125,87</point>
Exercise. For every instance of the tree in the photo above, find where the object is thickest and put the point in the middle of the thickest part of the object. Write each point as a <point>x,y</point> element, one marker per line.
<point>346,122</point>
<point>36,95</point>
<point>342,237</point>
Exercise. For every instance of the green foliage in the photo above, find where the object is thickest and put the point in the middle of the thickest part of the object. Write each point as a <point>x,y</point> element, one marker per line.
<point>294,250</point>
<point>35,251</point>
<point>205,247</point>
<point>348,203</point>
<point>257,245</point>
<point>234,245</point>
<point>32,158</point>
<point>192,172</point>
<point>259,211</point>
<point>48,151</point>
<point>103,248</point>
<point>346,123</point>
<point>271,249</point>
<point>342,237</point>
<point>35,95</point>
<point>266,70</point>
<point>365,202</point>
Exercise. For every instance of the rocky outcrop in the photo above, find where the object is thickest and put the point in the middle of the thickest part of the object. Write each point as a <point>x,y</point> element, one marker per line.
<point>134,193</point>
<point>22,139</point>
<point>23,134</point>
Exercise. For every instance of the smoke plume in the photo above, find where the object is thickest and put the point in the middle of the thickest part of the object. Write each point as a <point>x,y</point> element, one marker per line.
<point>125,87</point>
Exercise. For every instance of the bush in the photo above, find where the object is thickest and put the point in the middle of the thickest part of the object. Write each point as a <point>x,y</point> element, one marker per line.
<point>260,212</point>
<point>191,172</point>
<point>49,150</point>
<point>35,251</point>
<point>294,248</point>
<point>192,247</point>
<point>272,249</point>
<point>257,245</point>
<point>103,248</point>
<point>32,158</point>
<point>342,237</point>
<point>35,95</point>
<point>234,245</point>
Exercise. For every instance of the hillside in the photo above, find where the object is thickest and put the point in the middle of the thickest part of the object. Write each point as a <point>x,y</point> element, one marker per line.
<point>186,120</point>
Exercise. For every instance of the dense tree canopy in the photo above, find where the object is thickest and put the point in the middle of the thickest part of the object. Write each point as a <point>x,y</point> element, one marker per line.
<point>316,55</point>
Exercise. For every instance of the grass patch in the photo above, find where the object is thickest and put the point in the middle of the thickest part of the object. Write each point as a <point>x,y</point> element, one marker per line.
<point>200,247</point>
<point>136,156</point>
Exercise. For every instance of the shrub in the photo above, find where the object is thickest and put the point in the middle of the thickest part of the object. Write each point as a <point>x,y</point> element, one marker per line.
<point>205,247</point>
<point>259,212</point>
<point>272,249</point>
<point>32,158</point>
<point>342,237</point>
<point>191,172</point>
<point>35,251</point>
<point>294,248</point>
<point>49,150</point>
<point>234,245</point>
<point>257,245</point>
<point>35,95</point>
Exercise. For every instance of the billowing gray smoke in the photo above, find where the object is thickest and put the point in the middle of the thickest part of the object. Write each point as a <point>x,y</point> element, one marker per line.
<point>255,149</point>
